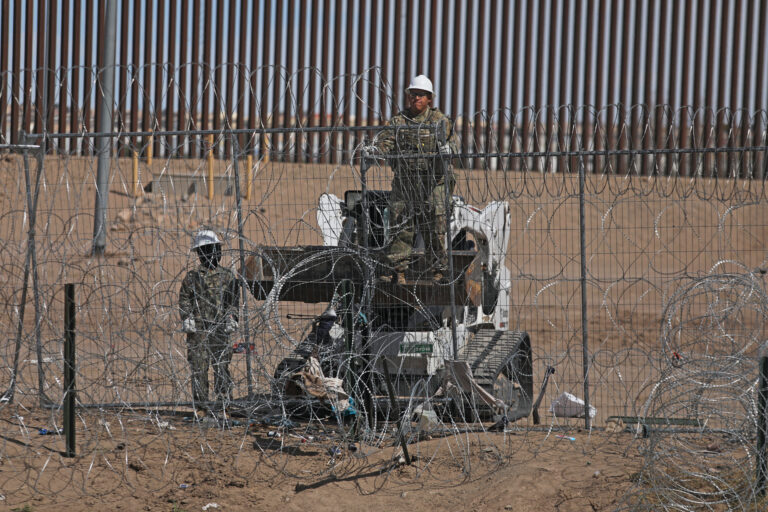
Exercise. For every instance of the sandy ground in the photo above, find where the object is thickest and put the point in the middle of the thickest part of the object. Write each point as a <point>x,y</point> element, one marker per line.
<point>183,466</point>
<point>644,237</point>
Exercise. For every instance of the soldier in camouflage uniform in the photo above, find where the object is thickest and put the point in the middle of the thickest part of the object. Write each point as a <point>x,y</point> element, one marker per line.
<point>417,201</point>
<point>208,302</point>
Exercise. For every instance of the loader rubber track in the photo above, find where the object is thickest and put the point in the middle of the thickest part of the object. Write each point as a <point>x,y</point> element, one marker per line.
<point>489,352</point>
<point>495,354</point>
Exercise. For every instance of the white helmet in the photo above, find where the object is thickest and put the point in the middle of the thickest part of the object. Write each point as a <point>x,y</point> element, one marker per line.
<point>204,237</point>
<point>421,83</point>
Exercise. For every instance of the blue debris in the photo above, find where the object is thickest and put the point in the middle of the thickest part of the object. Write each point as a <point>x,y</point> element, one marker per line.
<point>350,410</point>
<point>278,421</point>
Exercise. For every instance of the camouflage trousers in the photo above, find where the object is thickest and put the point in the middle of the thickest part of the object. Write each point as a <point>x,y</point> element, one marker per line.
<point>205,349</point>
<point>412,213</point>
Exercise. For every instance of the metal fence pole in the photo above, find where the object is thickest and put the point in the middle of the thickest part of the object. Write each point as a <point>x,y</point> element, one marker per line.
<point>445,162</point>
<point>9,393</point>
<point>241,251</point>
<point>347,303</point>
<point>368,285</point>
<point>31,244</point>
<point>584,329</point>
<point>105,125</point>
<point>762,421</point>
<point>396,410</point>
<point>70,393</point>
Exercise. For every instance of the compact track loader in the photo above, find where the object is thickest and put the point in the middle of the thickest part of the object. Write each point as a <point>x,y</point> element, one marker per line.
<point>423,330</point>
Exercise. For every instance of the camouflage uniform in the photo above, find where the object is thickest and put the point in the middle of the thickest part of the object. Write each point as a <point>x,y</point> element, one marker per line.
<point>417,203</point>
<point>210,297</point>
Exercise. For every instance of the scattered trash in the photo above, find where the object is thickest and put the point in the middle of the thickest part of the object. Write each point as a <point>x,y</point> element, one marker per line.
<point>334,451</point>
<point>596,474</point>
<point>399,458</point>
<point>278,421</point>
<point>677,359</point>
<point>500,425</point>
<point>240,348</point>
<point>137,465</point>
<point>275,434</point>
<point>165,425</point>
<point>183,486</point>
<point>566,437</point>
<point>210,505</point>
<point>120,446</point>
<point>352,447</point>
<point>349,410</point>
<point>570,406</point>
<point>46,432</point>
<point>427,420</point>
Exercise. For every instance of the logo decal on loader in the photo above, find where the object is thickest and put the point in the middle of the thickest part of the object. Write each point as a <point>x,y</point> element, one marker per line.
<point>415,348</point>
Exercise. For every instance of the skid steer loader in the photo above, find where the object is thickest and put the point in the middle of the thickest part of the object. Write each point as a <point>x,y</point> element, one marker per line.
<point>425,330</point>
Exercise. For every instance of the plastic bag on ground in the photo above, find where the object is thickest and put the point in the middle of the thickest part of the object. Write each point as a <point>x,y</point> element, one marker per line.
<point>569,406</point>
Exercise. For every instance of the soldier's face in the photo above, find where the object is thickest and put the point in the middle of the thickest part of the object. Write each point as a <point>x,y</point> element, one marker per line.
<point>419,100</point>
<point>210,255</point>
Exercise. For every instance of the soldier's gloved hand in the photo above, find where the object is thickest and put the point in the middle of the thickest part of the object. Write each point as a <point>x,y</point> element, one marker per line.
<point>445,149</point>
<point>188,325</point>
<point>231,325</point>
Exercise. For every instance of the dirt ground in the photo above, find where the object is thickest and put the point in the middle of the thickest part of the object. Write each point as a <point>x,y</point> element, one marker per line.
<point>641,237</point>
<point>174,464</point>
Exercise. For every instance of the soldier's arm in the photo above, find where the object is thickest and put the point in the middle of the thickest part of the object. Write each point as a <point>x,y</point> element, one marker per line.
<point>386,139</point>
<point>451,137</point>
<point>187,297</point>
<point>233,296</point>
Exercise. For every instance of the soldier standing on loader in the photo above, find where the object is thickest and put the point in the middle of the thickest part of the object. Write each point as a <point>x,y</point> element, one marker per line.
<point>417,201</point>
<point>208,304</point>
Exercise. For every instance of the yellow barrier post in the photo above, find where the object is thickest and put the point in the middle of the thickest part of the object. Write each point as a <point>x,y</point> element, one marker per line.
<point>248,176</point>
<point>149,149</point>
<point>210,167</point>
<point>265,156</point>
<point>135,173</point>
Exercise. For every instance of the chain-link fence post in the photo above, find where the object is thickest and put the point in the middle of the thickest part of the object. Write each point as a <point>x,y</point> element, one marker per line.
<point>32,198</point>
<point>445,163</point>
<point>105,125</point>
<point>762,421</point>
<point>368,289</point>
<point>243,282</point>
<point>584,328</point>
<point>70,393</point>
<point>8,395</point>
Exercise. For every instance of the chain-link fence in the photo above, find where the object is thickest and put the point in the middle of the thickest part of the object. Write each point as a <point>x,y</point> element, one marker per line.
<point>636,274</point>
